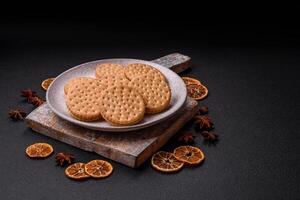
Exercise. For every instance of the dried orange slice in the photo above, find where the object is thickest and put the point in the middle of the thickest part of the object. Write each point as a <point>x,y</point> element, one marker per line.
<point>98,168</point>
<point>46,83</point>
<point>189,80</point>
<point>197,91</point>
<point>76,171</point>
<point>39,150</point>
<point>189,154</point>
<point>166,162</point>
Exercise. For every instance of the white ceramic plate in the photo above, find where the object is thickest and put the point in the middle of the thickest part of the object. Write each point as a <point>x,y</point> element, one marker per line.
<point>56,98</point>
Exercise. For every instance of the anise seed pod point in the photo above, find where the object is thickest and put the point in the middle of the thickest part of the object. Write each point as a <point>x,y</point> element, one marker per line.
<point>187,137</point>
<point>209,136</point>
<point>203,110</point>
<point>204,122</point>
<point>28,93</point>
<point>17,114</point>
<point>64,158</point>
<point>37,101</point>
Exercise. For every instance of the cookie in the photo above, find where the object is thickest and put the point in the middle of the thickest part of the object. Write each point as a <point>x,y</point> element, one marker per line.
<point>154,90</point>
<point>82,99</point>
<point>122,105</point>
<point>72,81</point>
<point>113,79</point>
<point>109,69</point>
<point>137,69</point>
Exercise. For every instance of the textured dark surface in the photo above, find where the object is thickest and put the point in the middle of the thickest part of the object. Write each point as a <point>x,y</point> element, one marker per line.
<point>252,73</point>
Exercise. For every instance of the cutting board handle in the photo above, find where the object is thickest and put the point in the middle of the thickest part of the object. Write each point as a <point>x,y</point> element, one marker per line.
<point>175,61</point>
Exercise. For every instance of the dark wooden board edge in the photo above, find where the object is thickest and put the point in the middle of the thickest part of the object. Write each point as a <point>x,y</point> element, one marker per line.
<point>175,61</point>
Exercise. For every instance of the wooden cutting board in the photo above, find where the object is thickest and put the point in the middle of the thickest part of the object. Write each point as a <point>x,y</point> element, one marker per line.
<point>129,148</point>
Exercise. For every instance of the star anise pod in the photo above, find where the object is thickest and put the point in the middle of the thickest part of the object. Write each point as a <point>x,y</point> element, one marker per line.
<point>28,93</point>
<point>186,138</point>
<point>204,122</point>
<point>37,101</point>
<point>17,114</point>
<point>64,158</point>
<point>203,110</point>
<point>209,136</point>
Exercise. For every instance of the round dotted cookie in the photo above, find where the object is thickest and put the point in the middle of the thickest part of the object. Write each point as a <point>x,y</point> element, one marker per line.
<point>113,79</point>
<point>154,90</point>
<point>83,97</point>
<point>137,69</point>
<point>122,105</point>
<point>109,69</point>
<point>73,81</point>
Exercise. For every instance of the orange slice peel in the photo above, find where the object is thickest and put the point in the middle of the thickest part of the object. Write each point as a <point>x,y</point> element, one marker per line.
<point>46,83</point>
<point>98,168</point>
<point>197,91</point>
<point>76,171</point>
<point>166,162</point>
<point>39,150</point>
<point>189,155</point>
<point>190,80</point>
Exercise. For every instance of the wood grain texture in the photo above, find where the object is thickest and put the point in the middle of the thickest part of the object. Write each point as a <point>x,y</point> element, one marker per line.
<point>175,61</point>
<point>129,148</point>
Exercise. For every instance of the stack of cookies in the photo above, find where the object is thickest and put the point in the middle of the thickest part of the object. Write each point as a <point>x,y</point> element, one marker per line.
<point>119,94</point>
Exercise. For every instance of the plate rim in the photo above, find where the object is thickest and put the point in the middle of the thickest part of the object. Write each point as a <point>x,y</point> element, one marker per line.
<point>116,128</point>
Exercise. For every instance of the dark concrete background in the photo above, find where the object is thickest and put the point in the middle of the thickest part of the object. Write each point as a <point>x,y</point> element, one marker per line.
<point>251,71</point>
